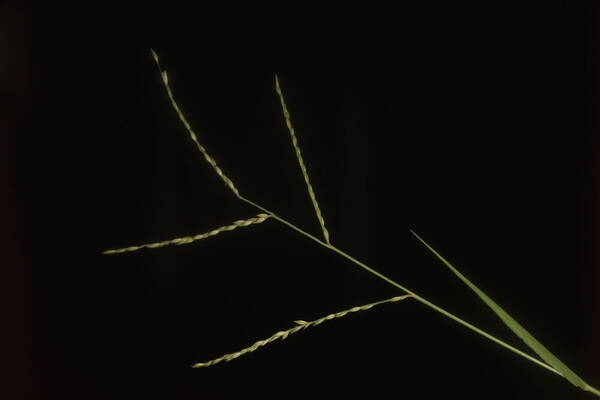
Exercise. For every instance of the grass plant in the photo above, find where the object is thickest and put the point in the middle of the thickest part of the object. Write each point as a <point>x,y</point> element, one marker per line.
<point>546,359</point>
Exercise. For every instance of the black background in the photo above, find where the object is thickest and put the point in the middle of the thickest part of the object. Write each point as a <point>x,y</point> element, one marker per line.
<point>471,124</point>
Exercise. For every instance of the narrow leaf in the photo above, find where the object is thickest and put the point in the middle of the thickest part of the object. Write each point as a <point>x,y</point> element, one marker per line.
<point>517,328</point>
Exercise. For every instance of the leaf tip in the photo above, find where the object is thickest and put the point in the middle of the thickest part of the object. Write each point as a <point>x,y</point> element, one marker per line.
<point>418,237</point>
<point>154,55</point>
<point>277,87</point>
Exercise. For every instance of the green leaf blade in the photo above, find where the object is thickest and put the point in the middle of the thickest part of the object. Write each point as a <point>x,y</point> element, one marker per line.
<point>513,325</point>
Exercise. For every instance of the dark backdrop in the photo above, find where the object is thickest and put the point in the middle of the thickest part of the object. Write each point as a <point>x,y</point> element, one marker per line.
<point>471,124</point>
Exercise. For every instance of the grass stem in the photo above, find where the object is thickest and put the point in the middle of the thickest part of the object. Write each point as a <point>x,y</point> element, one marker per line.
<point>401,287</point>
<point>329,246</point>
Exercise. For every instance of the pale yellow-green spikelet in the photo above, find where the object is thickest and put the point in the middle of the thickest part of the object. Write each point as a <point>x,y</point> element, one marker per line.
<point>189,239</point>
<point>300,325</point>
<point>209,159</point>
<point>311,192</point>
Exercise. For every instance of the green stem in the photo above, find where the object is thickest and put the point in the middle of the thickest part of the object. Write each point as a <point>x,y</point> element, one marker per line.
<point>592,389</point>
<point>406,290</point>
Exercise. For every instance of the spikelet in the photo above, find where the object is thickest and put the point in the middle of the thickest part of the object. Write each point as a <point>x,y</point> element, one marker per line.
<point>311,192</point>
<point>209,159</point>
<point>300,325</point>
<point>189,239</point>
